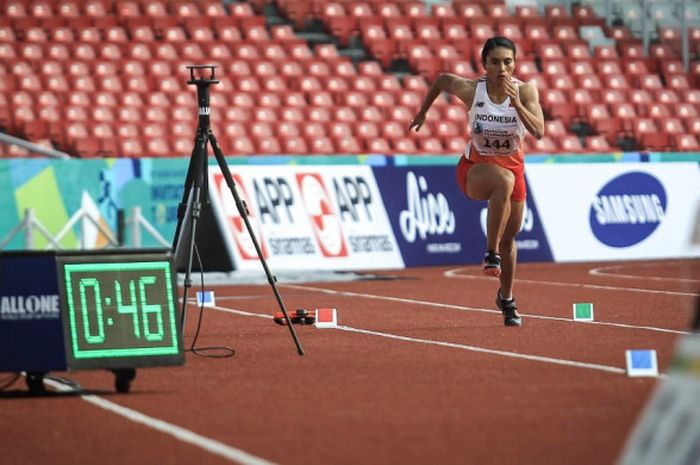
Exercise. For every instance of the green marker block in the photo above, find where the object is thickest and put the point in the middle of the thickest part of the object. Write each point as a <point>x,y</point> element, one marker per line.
<point>583,312</point>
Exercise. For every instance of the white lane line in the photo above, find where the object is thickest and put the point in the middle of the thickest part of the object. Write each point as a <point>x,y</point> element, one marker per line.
<point>454,273</point>
<point>503,353</point>
<point>603,271</point>
<point>452,345</point>
<point>178,432</point>
<point>476,309</point>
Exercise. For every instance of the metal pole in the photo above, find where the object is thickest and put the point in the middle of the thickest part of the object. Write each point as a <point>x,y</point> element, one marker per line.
<point>29,224</point>
<point>12,140</point>
<point>645,28</point>
<point>684,37</point>
<point>136,227</point>
<point>120,227</point>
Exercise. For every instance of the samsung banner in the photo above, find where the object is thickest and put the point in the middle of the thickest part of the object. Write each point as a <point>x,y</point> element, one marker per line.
<point>611,211</point>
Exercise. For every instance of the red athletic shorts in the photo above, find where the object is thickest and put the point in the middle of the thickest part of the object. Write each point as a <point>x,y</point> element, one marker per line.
<point>518,194</point>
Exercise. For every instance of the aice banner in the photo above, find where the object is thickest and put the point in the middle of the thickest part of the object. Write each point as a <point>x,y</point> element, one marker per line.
<point>435,224</point>
<point>306,218</point>
<point>611,211</point>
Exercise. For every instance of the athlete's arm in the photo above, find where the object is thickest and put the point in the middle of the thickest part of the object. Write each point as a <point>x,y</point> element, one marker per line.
<point>451,83</point>
<point>526,101</point>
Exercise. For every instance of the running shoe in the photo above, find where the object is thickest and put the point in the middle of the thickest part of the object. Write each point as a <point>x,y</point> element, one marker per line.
<point>509,310</point>
<point>491,265</point>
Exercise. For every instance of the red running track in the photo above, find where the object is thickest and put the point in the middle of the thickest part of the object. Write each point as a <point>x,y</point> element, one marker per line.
<point>421,370</point>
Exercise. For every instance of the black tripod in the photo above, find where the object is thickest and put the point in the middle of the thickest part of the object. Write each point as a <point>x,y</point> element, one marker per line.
<point>196,189</point>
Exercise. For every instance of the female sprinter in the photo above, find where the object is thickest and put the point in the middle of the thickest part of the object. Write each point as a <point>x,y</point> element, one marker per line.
<point>501,109</point>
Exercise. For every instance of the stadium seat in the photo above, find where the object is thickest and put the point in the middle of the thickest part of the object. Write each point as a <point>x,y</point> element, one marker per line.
<point>383,50</point>
<point>570,143</point>
<point>320,98</point>
<point>338,129</point>
<point>131,148</point>
<point>321,114</point>
<point>158,147</point>
<point>597,143</point>
<point>481,31</point>
<point>454,30</point>
<point>557,105</point>
<point>294,145</point>
<point>549,50</point>
<point>577,51</point>
<point>387,9</point>
<point>367,130</point>
<point>606,52</point>
<point>362,83</point>
<point>455,144</point>
<point>267,145</point>
<point>241,145</point>
<point>293,114</point>
<point>268,99</point>
<point>379,146</point>
<point>685,142</point>
<point>678,82</point>
<point>591,83</point>
<point>640,98</point>
<point>314,129</point>
<point>320,145</point>
<point>658,110</point>
<point>625,113</point>
<point>685,110</point>
<point>599,118</point>
<point>294,99</point>
<point>348,144</point>
<point>181,146</point>
<point>427,28</point>
<point>615,81</point>
<point>431,145</point>
<point>543,145</point>
<point>671,126</point>
<point>647,134</point>
<point>399,29</point>
<point>614,96</point>
<point>456,113</point>
<point>666,96</point>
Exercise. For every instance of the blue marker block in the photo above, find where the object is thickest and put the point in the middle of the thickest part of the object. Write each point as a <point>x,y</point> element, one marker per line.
<point>206,299</point>
<point>641,363</point>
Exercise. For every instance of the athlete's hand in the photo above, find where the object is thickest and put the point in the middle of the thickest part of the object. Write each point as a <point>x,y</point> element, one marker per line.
<point>512,92</point>
<point>417,122</point>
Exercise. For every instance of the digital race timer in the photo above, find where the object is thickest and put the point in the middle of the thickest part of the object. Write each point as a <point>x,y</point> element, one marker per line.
<point>119,310</point>
<point>71,310</point>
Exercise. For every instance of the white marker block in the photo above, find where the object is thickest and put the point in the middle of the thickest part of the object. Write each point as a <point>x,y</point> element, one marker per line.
<point>206,299</point>
<point>326,318</point>
<point>641,363</point>
<point>583,311</point>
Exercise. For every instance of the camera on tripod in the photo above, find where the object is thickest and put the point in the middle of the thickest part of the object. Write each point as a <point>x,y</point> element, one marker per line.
<point>195,192</point>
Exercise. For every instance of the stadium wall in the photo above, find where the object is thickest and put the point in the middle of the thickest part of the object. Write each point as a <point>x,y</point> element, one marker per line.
<point>372,212</point>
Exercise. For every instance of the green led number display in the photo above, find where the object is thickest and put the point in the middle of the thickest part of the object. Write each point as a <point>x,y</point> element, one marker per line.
<point>92,301</point>
<point>85,284</point>
<point>120,310</point>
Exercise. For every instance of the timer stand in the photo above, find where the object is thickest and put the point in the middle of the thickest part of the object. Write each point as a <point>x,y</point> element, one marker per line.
<point>195,192</point>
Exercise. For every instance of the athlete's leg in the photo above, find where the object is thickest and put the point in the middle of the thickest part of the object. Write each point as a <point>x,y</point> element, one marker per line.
<point>509,249</point>
<point>495,184</point>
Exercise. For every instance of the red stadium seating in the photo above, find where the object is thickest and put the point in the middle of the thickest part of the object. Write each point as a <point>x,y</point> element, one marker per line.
<point>124,62</point>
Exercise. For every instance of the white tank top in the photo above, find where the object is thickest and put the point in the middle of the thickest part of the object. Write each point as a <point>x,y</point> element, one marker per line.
<point>496,129</point>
